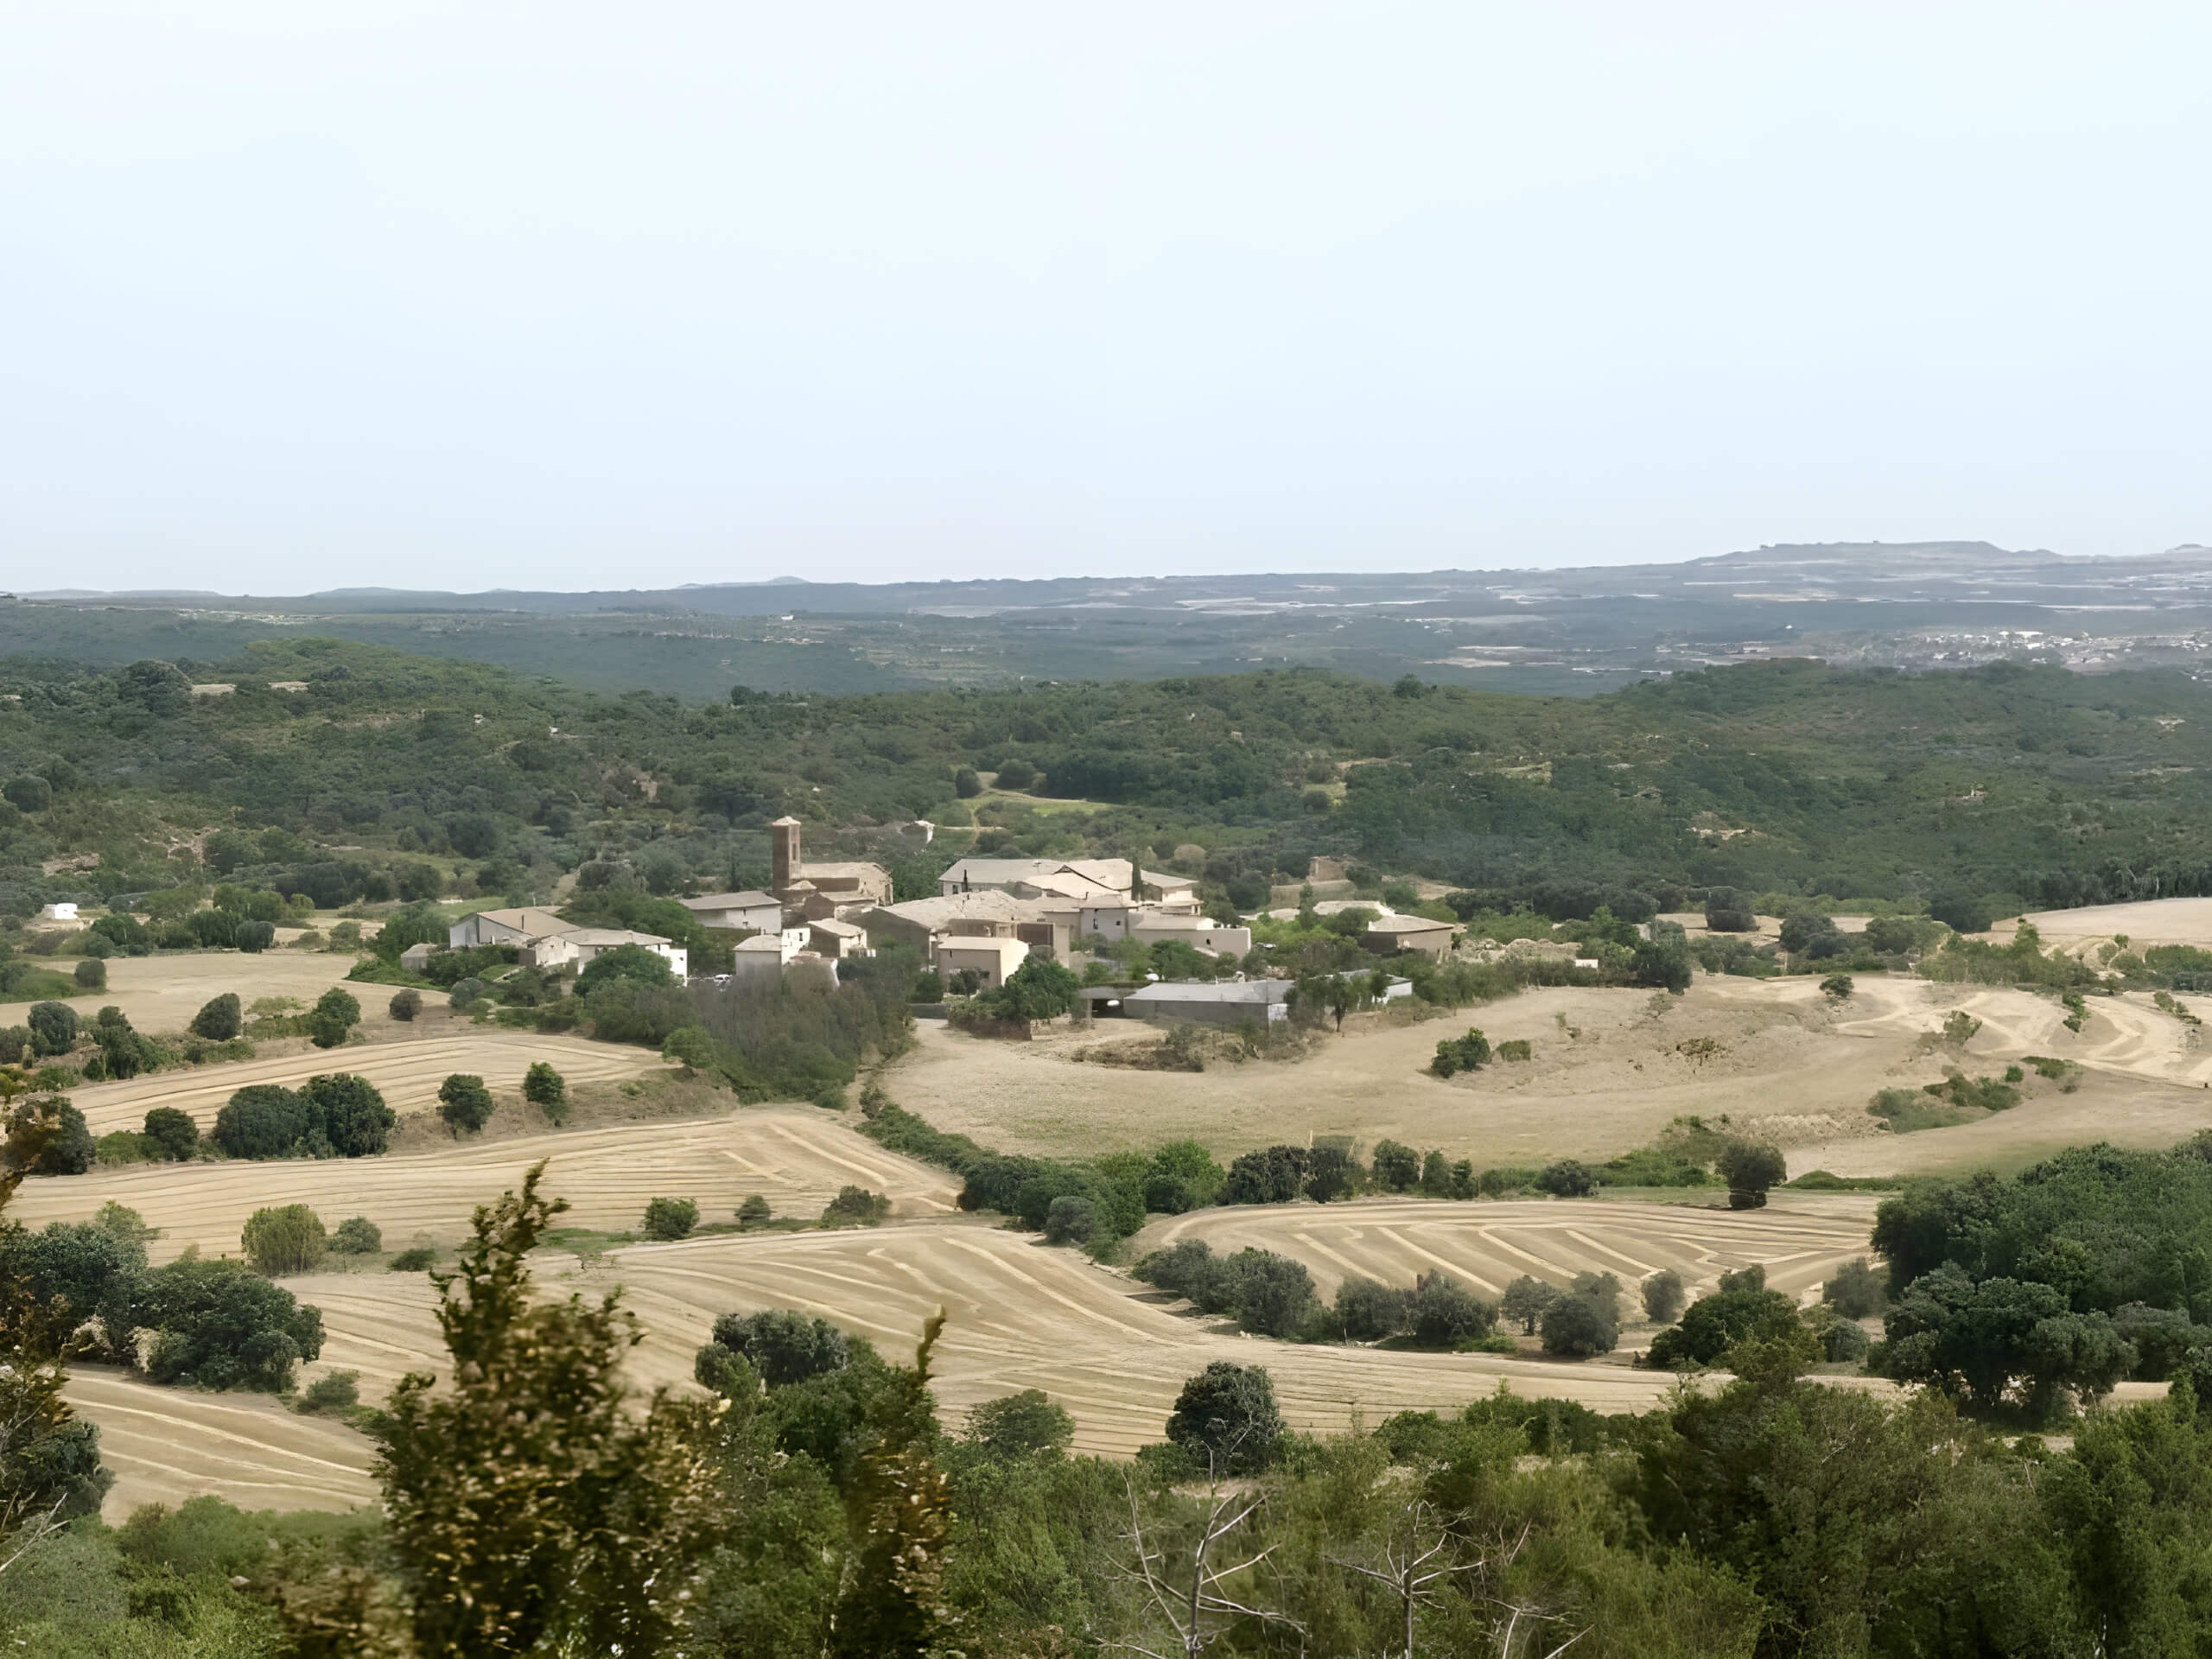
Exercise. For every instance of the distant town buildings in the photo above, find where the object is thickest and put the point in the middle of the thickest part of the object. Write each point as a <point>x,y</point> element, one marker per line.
<point>542,939</point>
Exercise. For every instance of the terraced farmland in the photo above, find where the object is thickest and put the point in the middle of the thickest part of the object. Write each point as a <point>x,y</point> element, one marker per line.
<point>167,1445</point>
<point>407,1070</point>
<point>1798,1238</point>
<point>795,1157</point>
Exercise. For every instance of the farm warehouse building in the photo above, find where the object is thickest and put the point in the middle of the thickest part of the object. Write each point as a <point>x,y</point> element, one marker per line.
<point>1218,1002</point>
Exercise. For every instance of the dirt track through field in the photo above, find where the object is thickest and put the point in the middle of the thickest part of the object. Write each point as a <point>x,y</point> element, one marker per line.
<point>407,1071</point>
<point>1799,1239</point>
<point>167,1445</point>
<point>795,1157</point>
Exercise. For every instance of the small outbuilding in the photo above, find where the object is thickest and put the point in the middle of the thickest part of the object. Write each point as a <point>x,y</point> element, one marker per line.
<point>1386,935</point>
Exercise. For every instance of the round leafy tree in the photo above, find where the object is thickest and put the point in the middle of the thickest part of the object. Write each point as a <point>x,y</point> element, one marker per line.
<point>670,1218</point>
<point>1024,1425</point>
<point>263,1120</point>
<point>405,1005</point>
<point>54,1028</point>
<point>172,1133</point>
<point>1566,1178</point>
<point>220,1019</point>
<point>465,1104</point>
<point>48,1136</point>
<point>547,1089</point>
<point>1749,1167</point>
<point>357,1235</point>
<point>633,963</point>
<point>1446,1313</point>
<point>350,1113</point>
<point>1226,1417</point>
<point>289,1238</point>
<point>1663,1297</point>
<point>334,1014</point>
<point>782,1347</point>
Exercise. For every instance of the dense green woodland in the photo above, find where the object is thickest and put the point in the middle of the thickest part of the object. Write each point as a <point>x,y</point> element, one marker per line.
<point>396,776</point>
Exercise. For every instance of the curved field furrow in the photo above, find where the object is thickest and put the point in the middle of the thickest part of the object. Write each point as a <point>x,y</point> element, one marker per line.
<point>795,1157</point>
<point>406,1071</point>
<point>167,1445</point>
<point>1022,1316</point>
<point>1019,1315</point>
<point>1798,1238</point>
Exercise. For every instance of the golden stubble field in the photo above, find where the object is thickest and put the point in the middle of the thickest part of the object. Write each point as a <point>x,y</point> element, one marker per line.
<point>1610,1073</point>
<point>160,993</point>
<point>1021,1315</point>
<point>795,1157</point>
<point>406,1068</point>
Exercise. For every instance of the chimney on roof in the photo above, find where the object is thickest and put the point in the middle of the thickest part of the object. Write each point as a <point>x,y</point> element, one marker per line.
<point>784,851</point>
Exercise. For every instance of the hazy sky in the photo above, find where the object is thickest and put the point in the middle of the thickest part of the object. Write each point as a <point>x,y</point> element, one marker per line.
<point>298,295</point>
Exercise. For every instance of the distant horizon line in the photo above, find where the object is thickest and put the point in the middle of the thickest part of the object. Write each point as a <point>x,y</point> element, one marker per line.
<point>2041,555</point>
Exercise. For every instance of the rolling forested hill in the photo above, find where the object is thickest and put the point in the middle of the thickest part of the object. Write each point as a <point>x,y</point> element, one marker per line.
<point>2023,785</point>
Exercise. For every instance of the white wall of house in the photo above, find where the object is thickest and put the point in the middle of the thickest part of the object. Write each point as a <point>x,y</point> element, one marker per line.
<point>1197,933</point>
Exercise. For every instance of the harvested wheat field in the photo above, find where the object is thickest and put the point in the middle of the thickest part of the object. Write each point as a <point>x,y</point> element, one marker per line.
<point>1798,1238</point>
<point>1610,1069</point>
<point>160,993</point>
<point>167,1445</point>
<point>407,1070</point>
<point>1020,1316</point>
<point>795,1157</point>
<point>2150,921</point>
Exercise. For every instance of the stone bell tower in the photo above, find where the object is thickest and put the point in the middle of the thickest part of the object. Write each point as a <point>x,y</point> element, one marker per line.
<point>784,851</point>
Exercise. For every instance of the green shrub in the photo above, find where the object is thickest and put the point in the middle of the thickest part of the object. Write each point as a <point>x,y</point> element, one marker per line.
<point>219,1324</point>
<point>357,1235</point>
<point>220,1019</point>
<point>1566,1178</point>
<point>330,1395</point>
<point>70,1150</point>
<point>1515,1048</point>
<point>405,1004</point>
<point>124,1146</point>
<point>1749,1167</point>
<point>1585,1321</point>
<point>670,1218</point>
<point>855,1206</point>
<point>171,1133</point>
<point>465,1104</point>
<point>413,1260</point>
<point>336,1012</point>
<point>1458,1054</point>
<point>548,1090</point>
<point>1226,1419</point>
<point>287,1238</point>
<point>91,974</point>
<point>53,1026</point>
<point>754,1212</point>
